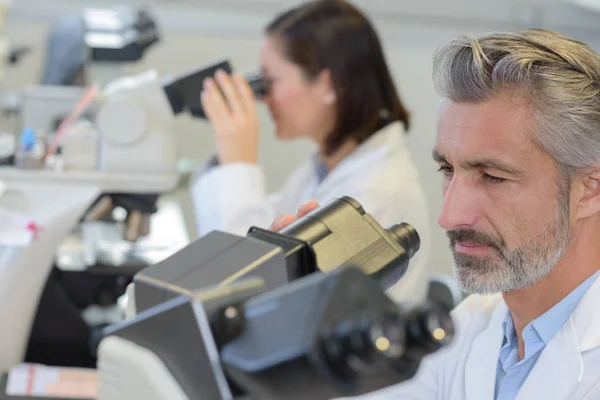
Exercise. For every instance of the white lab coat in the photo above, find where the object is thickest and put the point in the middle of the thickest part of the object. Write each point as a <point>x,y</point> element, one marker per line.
<point>568,368</point>
<point>379,174</point>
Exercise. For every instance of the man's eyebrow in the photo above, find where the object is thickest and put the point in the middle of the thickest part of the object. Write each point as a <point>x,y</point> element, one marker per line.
<point>494,164</point>
<point>437,157</point>
<point>484,163</point>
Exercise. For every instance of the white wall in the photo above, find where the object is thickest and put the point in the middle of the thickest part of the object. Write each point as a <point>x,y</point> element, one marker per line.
<point>200,34</point>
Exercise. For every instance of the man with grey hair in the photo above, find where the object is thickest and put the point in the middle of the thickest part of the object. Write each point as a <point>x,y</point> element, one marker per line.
<point>518,144</point>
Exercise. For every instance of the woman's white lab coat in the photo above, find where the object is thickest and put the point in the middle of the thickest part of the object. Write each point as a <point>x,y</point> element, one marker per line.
<point>379,174</point>
<point>568,368</point>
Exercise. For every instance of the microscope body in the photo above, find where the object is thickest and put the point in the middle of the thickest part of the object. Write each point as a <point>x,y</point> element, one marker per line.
<point>270,316</point>
<point>319,337</point>
<point>133,122</point>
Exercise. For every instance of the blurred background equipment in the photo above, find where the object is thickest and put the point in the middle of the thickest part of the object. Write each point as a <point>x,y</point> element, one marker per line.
<point>90,45</point>
<point>56,209</point>
<point>118,139</point>
<point>136,161</point>
<point>5,49</point>
<point>116,36</point>
<point>95,44</point>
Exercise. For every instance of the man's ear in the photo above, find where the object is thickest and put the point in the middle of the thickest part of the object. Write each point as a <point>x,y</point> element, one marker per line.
<point>587,194</point>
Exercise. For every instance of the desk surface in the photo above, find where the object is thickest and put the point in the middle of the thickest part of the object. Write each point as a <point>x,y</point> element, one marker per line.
<point>4,396</point>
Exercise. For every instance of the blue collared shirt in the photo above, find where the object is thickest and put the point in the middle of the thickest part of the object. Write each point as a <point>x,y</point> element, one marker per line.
<point>513,372</point>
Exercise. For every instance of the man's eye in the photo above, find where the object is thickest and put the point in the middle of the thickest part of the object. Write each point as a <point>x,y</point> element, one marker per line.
<point>492,179</point>
<point>446,170</point>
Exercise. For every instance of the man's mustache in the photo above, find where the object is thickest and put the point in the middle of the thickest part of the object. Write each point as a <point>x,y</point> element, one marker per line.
<point>475,237</point>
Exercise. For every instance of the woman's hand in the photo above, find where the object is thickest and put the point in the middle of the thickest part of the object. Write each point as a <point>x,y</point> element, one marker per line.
<point>233,117</point>
<point>286,219</point>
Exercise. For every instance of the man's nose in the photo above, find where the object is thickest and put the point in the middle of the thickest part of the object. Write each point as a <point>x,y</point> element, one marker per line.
<point>460,208</point>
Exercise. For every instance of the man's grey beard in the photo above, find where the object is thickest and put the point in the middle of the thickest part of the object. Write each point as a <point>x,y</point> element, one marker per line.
<point>512,269</point>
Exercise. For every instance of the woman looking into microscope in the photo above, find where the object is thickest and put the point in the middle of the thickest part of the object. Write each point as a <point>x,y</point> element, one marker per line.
<point>327,80</point>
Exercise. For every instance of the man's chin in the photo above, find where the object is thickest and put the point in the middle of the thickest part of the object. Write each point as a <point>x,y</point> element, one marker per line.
<point>493,280</point>
<point>479,278</point>
<point>475,286</point>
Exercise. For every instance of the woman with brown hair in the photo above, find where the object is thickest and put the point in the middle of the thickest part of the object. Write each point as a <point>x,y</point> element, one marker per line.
<point>327,80</point>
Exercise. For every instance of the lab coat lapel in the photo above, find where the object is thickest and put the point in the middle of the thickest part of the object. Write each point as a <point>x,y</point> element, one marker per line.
<point>586,319</point>
<point>560,365</point>
<point>482,361</point>
<point>374,149</point>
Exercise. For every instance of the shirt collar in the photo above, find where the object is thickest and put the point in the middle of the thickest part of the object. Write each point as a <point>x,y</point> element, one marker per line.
<point>550,322</point>
<point>509,330</point>
<point>321,169</point>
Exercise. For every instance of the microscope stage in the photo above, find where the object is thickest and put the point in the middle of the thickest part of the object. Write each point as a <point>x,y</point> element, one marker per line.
<point>106,181</point>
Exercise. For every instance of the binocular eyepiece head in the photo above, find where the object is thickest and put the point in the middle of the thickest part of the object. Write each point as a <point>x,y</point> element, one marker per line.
<point>183,93</point>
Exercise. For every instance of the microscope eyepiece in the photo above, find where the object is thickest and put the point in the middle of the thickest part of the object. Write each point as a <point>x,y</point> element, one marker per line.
<point>407,237</point>
<point>258,84</point>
